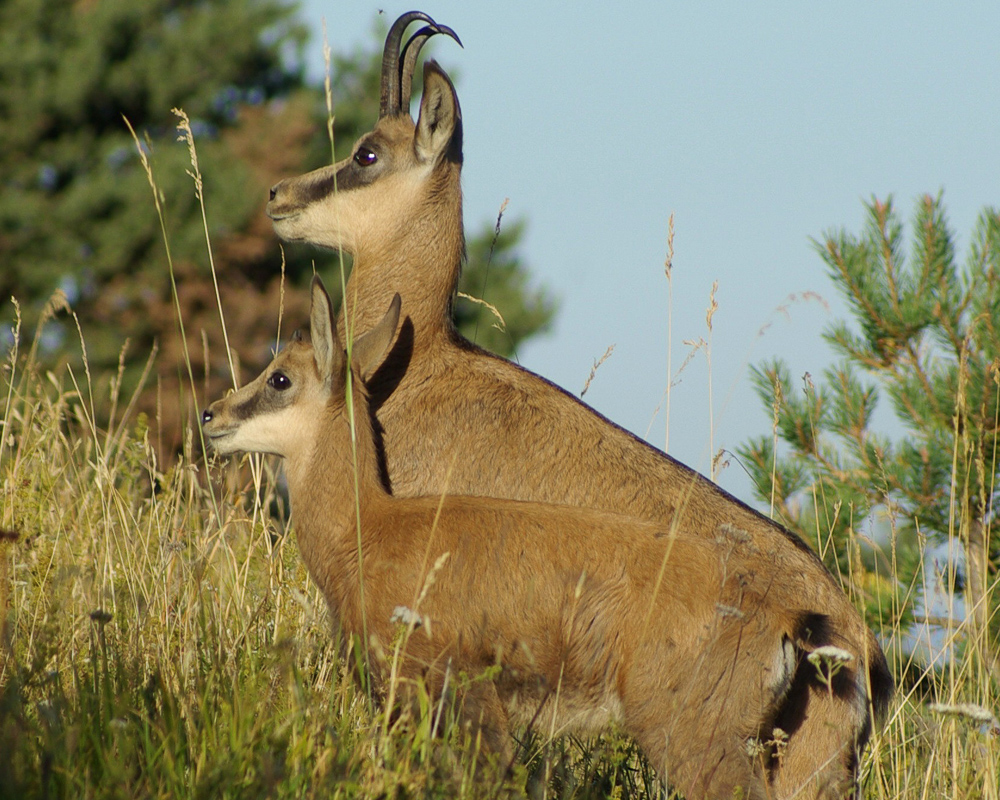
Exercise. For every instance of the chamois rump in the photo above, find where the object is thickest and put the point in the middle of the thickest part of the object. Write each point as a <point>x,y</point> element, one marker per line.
<point>687,641</point>
<point>455,419</point>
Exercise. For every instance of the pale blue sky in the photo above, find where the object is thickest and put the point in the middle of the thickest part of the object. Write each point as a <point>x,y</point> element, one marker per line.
<point>758,125</point>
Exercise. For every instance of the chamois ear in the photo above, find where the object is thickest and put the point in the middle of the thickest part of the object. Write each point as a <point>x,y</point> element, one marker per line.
<point>323,332</point>
<point>370,348</point>
<point>439,129</point>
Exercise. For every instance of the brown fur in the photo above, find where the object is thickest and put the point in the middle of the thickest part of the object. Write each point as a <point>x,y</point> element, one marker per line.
<point>455,419</point>
<point>591,617</point>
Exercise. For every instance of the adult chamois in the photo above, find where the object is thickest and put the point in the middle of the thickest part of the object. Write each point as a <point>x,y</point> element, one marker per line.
<point>454,419</point>
<point>582,616</point>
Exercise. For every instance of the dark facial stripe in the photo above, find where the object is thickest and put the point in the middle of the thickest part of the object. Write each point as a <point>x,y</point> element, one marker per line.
<point>350,176</point>
<point>248,408</point>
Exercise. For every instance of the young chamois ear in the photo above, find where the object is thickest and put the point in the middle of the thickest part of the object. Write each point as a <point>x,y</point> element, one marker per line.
<point>439,128</point>
<point>369,348</point>
<point>327,351</point>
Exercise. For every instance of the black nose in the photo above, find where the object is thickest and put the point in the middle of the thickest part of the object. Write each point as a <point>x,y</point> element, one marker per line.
<point>206,416</point>
<point>274,191</point>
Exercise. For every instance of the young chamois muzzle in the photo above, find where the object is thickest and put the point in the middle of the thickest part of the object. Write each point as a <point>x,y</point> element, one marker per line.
<point>591,617</point>
<point>456,419</point>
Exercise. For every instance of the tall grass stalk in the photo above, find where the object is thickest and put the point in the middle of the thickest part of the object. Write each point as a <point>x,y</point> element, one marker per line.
<point>349,331</point>
<point>160,214</point>
<point>668,271</point>
<point>187,136</point>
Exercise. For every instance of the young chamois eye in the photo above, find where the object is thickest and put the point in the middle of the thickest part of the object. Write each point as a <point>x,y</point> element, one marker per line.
<point>365,157</point>
<point>279,381</point>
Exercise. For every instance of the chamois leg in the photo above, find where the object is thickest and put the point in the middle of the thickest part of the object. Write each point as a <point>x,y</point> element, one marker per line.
<point>703,733</point>
<point>478,707</point>
<point>485,715</point>
<point>697,746</point>
<point>819,760</point>
<point>707,773</point>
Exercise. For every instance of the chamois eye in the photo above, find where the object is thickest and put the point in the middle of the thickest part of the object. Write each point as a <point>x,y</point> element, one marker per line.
<point>365,157</point>
<point>279,381</point>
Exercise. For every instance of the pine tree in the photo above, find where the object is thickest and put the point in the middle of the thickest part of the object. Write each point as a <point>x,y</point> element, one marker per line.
<point>77,213</point>
<point>926,336</point>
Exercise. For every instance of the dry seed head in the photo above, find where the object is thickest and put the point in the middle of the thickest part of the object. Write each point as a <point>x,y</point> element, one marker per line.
<point>970,711</point>
<point>713,305</point>
<point>830,654</point>
<point>593,369</point>
<point>500,324</point>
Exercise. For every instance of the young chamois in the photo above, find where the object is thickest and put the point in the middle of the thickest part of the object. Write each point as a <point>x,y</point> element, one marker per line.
<point>455,419</point>
<point>590,617</point>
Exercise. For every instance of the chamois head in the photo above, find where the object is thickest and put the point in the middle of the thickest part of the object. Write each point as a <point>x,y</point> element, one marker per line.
<point>353,203</point>
<point>279,412</point>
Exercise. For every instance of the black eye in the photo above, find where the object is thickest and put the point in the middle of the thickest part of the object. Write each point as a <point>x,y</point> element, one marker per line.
<point>279,381</point>
<point>365,157</point>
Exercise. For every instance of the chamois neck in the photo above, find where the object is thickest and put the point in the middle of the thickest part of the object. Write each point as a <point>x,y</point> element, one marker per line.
<point>422,263</point>
<point>321,482</point>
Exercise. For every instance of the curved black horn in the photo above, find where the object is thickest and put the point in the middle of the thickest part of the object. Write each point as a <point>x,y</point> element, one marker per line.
<point>389,104</point>
<point>408,63</point>
<point>408,58</point>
